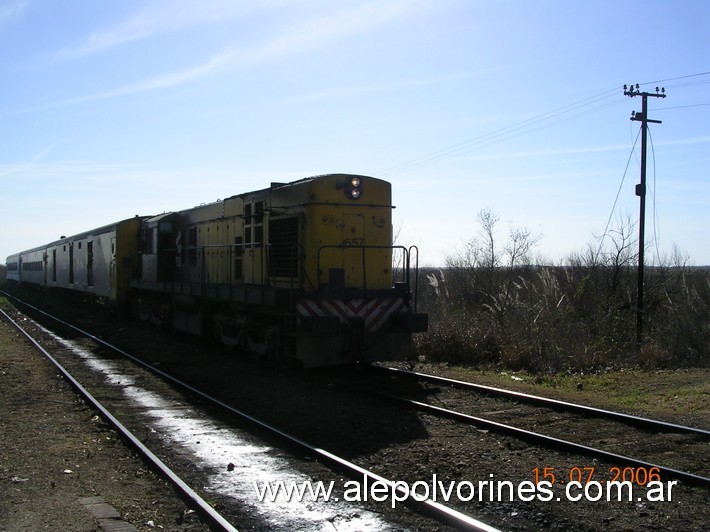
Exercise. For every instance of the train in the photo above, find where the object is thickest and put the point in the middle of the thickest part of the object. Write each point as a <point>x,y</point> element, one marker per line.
<point>305,271</point>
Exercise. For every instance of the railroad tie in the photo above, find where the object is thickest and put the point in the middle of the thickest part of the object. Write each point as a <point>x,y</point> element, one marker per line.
<point>106,515</point>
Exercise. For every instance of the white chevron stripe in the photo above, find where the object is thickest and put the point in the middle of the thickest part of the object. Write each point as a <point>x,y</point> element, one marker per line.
<point>308,307</point>
<point>374,312</point>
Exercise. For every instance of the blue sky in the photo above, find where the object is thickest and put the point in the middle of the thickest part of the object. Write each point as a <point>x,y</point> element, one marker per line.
<point>116,108</point>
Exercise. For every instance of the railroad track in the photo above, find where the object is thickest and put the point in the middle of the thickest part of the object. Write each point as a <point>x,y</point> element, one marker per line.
<point>214,518</point>
<point>395,492</point>
<point>650,426</point>
<point>407,445</point>
<point>636,421</point>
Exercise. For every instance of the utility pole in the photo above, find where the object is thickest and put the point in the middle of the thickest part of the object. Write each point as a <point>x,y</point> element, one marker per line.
<point>642,117</point>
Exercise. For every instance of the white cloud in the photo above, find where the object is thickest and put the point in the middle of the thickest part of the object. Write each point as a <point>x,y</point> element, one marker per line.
<point>326,28</point>
<point>382,87</point>
<point>684,142</point>
<point>24,167</point>
<point>296,39</point>
<point>156,19</point>
<point>11,9</point>
<point>169,16</point>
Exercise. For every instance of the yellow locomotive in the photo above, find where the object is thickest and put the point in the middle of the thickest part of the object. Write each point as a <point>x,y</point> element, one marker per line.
<point>304,270</point>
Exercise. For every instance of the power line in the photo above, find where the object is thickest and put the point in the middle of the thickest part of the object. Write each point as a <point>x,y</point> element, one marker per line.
<point>502,132</point>
<point>653,195</point>
<point>541,120</point>
<point>676,78</point>
<point>688,84</point>
<point>681,106</point>
<point>618,193</point>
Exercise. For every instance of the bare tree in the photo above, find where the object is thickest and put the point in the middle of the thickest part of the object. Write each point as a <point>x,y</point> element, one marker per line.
<point>490,269</point>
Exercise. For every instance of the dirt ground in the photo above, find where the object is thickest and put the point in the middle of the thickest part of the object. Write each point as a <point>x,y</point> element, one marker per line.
<point>56,451</point>
<point>45,431</point>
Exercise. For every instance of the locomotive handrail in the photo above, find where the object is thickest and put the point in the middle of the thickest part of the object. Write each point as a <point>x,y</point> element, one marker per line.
<point>265,251</point>
<point>416,274</point>
<point>202,272</point>
<point>266,276</point>
<point>405,254</point>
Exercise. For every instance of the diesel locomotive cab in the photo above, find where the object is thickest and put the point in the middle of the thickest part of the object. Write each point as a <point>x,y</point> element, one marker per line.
<point>362,306</point>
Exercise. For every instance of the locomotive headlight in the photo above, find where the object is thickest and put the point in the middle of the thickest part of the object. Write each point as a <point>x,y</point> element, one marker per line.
<point>354,190</point>
<point>351,186</point>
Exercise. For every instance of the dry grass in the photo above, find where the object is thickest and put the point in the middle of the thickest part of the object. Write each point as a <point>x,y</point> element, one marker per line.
<point>492,305</point>
<point>681,395</point>
<point>566,318</point>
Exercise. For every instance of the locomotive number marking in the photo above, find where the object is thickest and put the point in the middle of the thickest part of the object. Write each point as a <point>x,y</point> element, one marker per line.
<point>354,242</point>
<point>378,221</point>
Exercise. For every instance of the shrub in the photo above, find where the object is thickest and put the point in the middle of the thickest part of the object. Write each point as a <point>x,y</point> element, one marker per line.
<point>495,307</point>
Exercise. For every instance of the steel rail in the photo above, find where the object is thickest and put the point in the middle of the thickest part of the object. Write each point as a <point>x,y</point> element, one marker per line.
<point>552,403</point>
<point>428,507</point>
<point>535,437</point>
<point>205,509</point>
